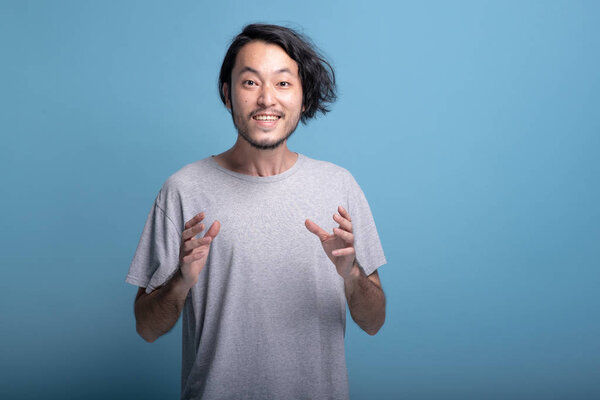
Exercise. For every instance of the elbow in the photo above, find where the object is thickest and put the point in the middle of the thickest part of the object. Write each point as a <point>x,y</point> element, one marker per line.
<point>373,329</point>
<point>372,332</point>
<point>144,333</point>
<point>142,328</point>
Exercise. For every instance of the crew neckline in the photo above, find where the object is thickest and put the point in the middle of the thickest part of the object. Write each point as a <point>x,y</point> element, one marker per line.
<point>260,179</point>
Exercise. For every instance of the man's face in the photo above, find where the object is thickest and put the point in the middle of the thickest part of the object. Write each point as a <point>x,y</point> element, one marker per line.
<point>266,95</point>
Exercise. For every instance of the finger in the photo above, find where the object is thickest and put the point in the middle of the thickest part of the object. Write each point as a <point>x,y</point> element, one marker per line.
<point>346,236</point>
<point>205,244</point>
<point>344,213</point>
<point>197,218</point>
<point>316,229</point>
<point>213,230</point>
<point>347,251</point>
<point>344,223</point>
<point>195,256</point>
<point>195,243</point>
<point>193,231</point>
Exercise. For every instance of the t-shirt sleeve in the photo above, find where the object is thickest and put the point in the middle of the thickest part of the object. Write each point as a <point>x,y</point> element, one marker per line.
<point>157,255</point>
<point>369,252</point>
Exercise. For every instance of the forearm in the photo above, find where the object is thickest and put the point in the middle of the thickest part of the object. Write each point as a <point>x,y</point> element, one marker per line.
<point>366,300</point>
<point>157,312</point>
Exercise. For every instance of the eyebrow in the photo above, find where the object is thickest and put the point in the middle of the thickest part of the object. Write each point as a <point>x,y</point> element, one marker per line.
<point>252,70</point>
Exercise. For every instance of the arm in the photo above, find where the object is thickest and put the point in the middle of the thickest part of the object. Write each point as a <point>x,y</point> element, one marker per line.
<point>366,300</point>
<point>157,312</point>
<point>365,296</point>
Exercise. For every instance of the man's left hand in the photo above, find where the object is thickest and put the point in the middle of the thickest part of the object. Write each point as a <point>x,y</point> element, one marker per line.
<point>338,246</point>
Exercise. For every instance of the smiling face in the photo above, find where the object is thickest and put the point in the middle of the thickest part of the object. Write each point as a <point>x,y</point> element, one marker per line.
<point>266,95</point>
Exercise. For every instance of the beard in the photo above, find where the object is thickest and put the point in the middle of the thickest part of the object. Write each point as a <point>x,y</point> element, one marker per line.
<point>242,127</point>
<point>265,145</point>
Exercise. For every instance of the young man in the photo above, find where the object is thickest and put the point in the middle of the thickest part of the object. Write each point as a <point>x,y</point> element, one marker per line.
<point>259,247</point>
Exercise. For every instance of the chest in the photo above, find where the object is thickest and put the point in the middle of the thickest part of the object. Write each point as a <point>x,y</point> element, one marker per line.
<point>266,216</point>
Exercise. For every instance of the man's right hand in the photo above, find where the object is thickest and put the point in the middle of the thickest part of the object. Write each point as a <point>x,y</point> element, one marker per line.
<point>194,251</point>
<point>157,312</point>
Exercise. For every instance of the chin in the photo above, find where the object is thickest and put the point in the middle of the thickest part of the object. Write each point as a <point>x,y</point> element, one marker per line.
<point>265,144</point>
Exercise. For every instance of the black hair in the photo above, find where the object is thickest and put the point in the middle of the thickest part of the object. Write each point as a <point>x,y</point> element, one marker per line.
<point>316,74</point>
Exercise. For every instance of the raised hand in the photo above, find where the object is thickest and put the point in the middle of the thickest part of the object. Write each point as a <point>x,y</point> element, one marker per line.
<point>194,252</point>
<point>338,246</point>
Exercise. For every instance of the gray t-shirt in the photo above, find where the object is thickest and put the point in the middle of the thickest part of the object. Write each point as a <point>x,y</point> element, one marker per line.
<point>266,319</point>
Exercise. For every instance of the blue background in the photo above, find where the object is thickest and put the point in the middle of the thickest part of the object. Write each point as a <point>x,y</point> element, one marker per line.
<point>472,127</point>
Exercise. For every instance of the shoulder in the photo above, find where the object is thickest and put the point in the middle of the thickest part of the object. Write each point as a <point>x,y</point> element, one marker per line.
<point>191,174</point>
<point>326,169</point>
<point>187,179</point>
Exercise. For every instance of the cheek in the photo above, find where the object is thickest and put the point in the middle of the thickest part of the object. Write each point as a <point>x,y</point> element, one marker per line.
<point>240,106</point>
<point>293,101</point>
<point>241,100</point>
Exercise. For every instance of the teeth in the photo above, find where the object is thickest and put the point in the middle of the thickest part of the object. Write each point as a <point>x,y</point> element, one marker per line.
<point>266,117</point>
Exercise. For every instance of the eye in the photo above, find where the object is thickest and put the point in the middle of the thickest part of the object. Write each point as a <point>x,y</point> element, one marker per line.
<point>284,84</point>
<point>249,82</point>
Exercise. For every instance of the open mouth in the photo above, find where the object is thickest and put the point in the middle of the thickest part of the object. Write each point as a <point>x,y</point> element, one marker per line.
<point>266,117</point>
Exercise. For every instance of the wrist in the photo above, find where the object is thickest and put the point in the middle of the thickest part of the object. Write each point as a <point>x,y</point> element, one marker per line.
<point>354,273</point>
<point>179,281</point>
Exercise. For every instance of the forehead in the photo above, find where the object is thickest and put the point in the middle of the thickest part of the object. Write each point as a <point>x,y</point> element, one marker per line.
<point>265,58</point>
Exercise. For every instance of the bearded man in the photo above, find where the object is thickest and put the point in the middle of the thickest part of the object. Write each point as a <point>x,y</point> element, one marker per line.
<point>261,248</point>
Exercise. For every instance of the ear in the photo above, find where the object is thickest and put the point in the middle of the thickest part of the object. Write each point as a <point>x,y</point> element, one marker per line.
<point>227,96</point>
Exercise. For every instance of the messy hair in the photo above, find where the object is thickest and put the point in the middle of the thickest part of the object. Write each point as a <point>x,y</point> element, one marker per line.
<point>316,74</point>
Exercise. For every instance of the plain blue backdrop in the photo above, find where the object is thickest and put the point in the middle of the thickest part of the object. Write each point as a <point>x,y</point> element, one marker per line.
<point>472,126</point>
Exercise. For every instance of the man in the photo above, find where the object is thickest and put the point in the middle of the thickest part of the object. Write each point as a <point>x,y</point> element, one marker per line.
<point>263,289</point>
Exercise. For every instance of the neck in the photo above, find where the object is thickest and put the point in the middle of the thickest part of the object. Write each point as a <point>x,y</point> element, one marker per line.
<point>245,159</point>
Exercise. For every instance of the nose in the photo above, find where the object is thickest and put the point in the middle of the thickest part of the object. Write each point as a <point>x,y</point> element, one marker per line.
<point>266,97</point>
